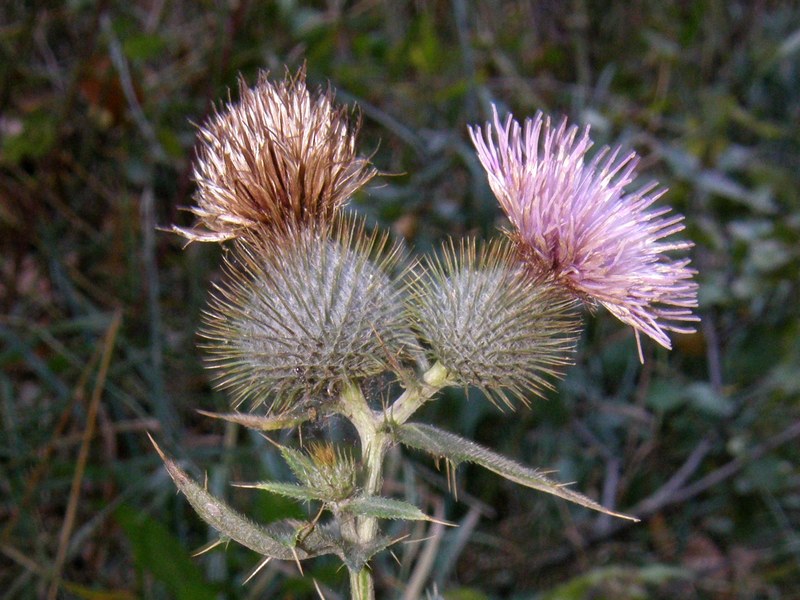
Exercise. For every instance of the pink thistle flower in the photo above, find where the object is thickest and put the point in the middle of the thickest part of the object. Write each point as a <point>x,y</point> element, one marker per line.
<point>577,224</point>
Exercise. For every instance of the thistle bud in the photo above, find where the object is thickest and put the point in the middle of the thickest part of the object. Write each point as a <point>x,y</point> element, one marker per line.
<point>329,471</point>
<point>490,324</point>
<point>299,316</point>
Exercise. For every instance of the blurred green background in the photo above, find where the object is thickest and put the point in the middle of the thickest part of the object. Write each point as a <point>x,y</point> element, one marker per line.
<point>97,105</point>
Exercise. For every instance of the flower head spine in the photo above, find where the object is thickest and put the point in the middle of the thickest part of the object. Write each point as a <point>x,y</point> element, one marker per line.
<point>576,223</point>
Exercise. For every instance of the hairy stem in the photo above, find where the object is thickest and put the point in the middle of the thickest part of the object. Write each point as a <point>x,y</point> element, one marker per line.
<point>375,441</point>
<point>374,444</point>
<point>361,585</point>
<point>414,397</point>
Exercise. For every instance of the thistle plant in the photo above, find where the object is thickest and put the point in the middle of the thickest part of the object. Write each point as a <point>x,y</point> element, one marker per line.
<point>319,316</point>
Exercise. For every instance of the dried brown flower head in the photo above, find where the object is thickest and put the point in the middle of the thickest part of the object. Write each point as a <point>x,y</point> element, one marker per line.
<point>281,157</point>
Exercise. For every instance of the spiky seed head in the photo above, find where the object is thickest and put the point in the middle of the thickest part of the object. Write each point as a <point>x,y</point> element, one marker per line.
<point>282,155</point>
<point>578,225</point>
<point>492,325</point>
<point>297,317</point>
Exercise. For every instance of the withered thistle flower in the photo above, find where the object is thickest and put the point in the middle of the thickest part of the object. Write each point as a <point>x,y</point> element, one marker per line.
<point>298,317</point>
<point>490,324</point>
<point>281,156</point>
<point>577,224</point>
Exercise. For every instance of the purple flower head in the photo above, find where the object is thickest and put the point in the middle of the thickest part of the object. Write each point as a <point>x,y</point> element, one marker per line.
<point>578,225</point>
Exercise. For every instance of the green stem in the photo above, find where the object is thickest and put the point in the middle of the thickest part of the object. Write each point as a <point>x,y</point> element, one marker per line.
<point>374,444</point>
<point>414,397</point>
<point>361,585</point>
<point>372,457</point>
<point>375,441</point>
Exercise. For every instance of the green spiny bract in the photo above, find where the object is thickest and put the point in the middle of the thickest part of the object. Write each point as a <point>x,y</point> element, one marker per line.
<point>301,315</point>
<point>491,325</point>
<point>329,471</point>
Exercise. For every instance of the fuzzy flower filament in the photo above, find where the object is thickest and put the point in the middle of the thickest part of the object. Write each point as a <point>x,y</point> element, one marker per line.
<point>577,224</point>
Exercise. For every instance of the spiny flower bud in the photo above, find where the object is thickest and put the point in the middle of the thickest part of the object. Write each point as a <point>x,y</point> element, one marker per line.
<point>329,471</point>
<point>490,324</point>
<point>298,316</point>
<point>577,225</point>
<point>281,156</point>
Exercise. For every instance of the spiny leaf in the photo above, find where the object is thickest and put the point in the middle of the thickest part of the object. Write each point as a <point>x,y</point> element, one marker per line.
<point>355,556</point>
<point>278,540</point>
<point>291,490</point>
<point>458,450</point>
<point>358,556</point>
<point>264,422</point>
<point>299,463</point>
<point>386,508</point>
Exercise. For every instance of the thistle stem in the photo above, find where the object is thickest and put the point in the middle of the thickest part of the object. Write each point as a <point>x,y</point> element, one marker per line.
<point>361,585</point>
<point>375,441</point>
<point>415,396</point>
<point>374,444</point>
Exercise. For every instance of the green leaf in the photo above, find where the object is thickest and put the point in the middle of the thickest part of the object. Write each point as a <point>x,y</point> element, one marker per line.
<point>457,450</point>
<point>284,540</point>
<point>706,399</point>
<point>599,581</point>
<point>291,490</point>
<point>36,137</point>
<point>144,46</point>
<point>171,142</point>
<point>157,551</point>
<point>355,556</point>
<point>425,51</point>
<point>768,474</point>
<point>263,422</point>
<point>385,508</point>
<point>665,396</point>
<point>464,593</point>
<point>299,463</point>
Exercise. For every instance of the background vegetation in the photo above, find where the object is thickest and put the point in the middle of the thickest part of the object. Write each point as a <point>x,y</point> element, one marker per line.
<point>99,308</point>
